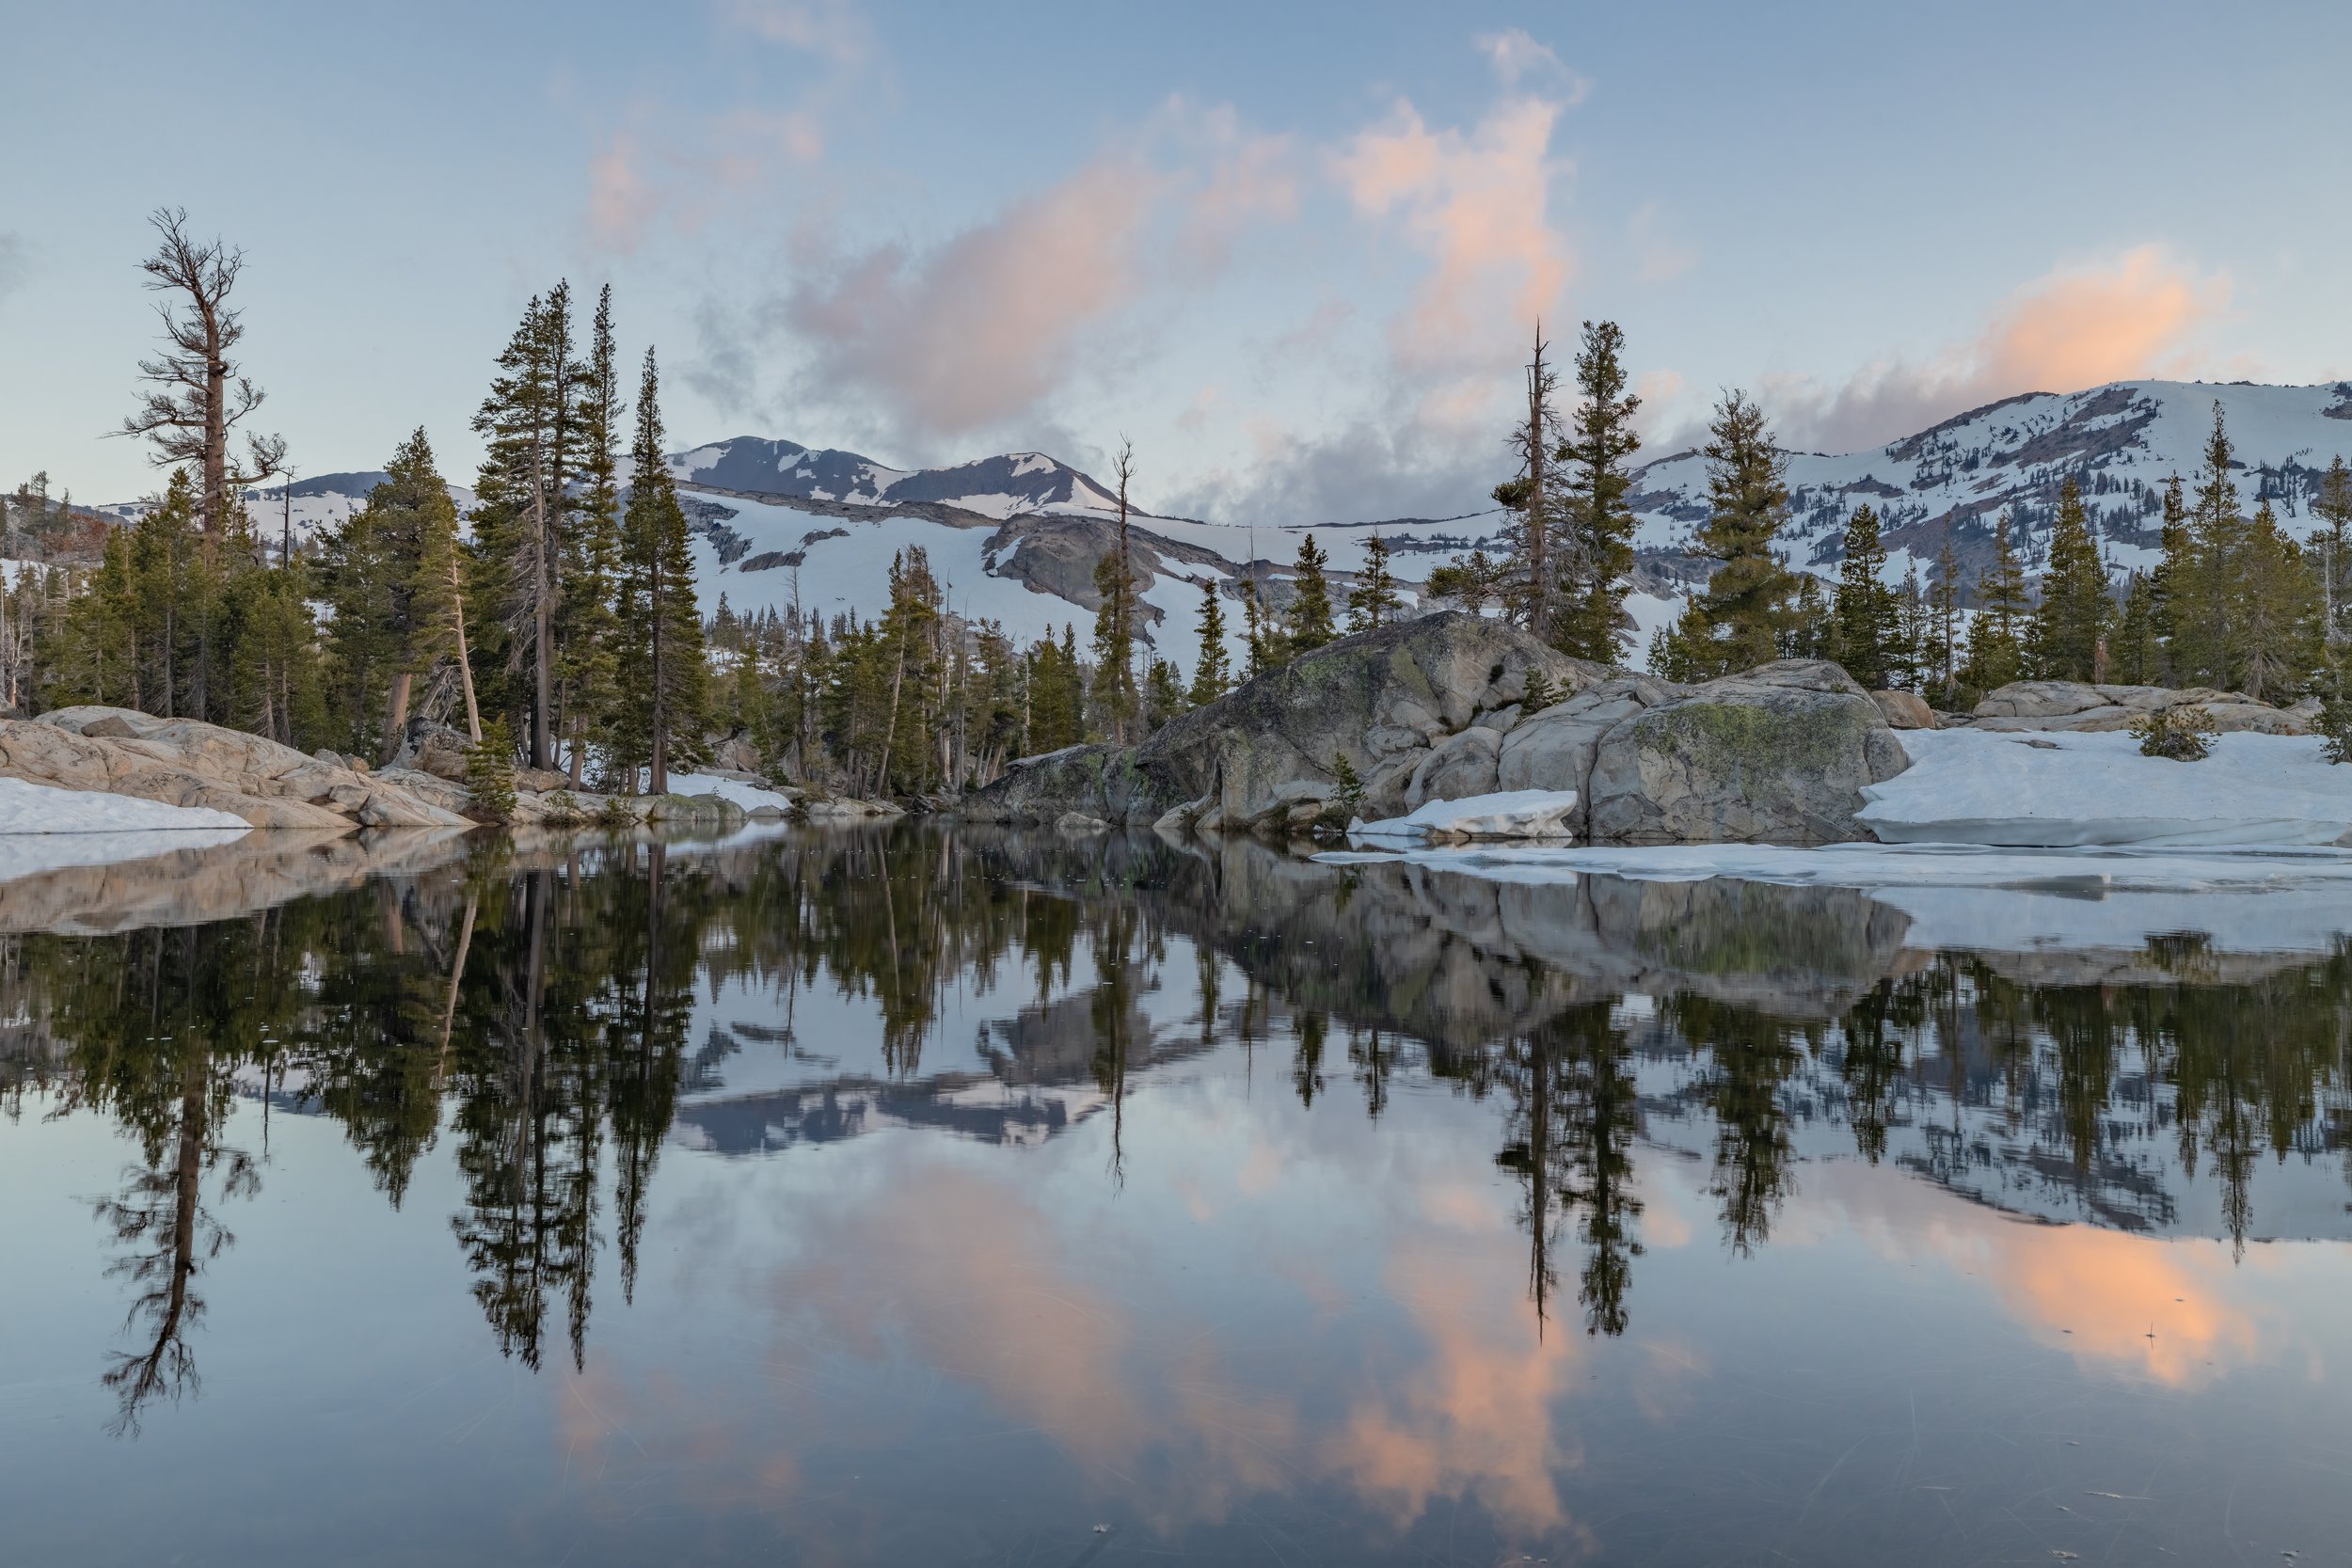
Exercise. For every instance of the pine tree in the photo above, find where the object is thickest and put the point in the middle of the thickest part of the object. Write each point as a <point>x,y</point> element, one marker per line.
<point>2067,638</point>
<point>1374,601</point>
<point>2167,582</point>
<point>1738,621</point>
<point>1258,638</point>
<point>2135,652</point>
<point>2206,592</point>
<point>1210,678</point>
<point>586,634</point>
<point>1118,704</point>
<point>1811,630</point>
<point>2277,621</point>
<point>1471,581</point>
<point>1596,516</point>
<point>1864,607</point>
<point>1908,655</point>
<point>2332,553</point>
<point>490,771</point>
<point>1310,616</point>
<point>661,631</point>
<point>1941,666</point>
<point>528,423</point>
<point>1163,694</point>
<point>1996,651</point>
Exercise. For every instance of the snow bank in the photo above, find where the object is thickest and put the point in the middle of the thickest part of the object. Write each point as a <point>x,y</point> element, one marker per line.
<point>1975,786</point>
<point>1519,813</point>
<point>43,829</point>
<point>748,795</point>
<point>31,808</point>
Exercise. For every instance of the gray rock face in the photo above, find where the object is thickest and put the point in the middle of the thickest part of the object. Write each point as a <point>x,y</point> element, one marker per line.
<point>1554,749</point>
<point>1776,755</point>
<point>1376,698</point>
<point>1456,767</point>
<point>2077,706</point>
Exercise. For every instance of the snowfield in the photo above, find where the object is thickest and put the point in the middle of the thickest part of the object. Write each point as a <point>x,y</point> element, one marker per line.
<point>2055,790</point>
<point>31,808</point>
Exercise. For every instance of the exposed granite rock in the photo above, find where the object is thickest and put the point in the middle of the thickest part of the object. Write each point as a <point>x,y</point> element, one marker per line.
<point>1776,755</point>
<point>182,762</point>
<point>1904,710</point>
<point>2076,705</point>
<point>1372,698</point>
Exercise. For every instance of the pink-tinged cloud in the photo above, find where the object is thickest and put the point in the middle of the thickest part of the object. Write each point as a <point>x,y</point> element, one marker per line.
<point>1478,203</point>
<point>2069,329</point>
<point>980,328</point>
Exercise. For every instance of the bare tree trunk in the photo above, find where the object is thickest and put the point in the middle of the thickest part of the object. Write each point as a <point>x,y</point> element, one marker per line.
<point>465,660</point>
<point>396,712</point>
<point>1537,527</point>
<point>890,731</point>
<point>543,628</point>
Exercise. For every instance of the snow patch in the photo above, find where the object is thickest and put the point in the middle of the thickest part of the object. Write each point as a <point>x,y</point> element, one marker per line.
<point>1512,814</point>
<point>30,808</point>
<point>2063,790</point>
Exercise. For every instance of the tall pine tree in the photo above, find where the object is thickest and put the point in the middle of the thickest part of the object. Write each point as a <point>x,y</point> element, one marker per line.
<point>1599,522</point>
<point>661,631</point>
<point>1210,676</point>
<point>1864,607</point>
<point>2068,637</point>
<point>1738,621</point>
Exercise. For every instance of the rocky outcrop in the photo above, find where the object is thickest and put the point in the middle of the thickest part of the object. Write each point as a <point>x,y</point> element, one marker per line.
<point>2076,705</point>
<point>182,762</point>
<point>1431,711</point>
<point>1776,755</point>
<point>1382,701</point>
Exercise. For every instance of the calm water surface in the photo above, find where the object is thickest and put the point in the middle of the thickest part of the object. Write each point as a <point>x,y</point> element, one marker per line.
<point>918,1196</point>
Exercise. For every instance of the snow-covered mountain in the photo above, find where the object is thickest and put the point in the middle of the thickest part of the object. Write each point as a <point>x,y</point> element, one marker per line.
<point>1016,536</point>
<point>2121,443</point>
<point>1001,486</point>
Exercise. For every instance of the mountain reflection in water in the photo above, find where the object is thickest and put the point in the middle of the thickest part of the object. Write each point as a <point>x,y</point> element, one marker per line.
<point>530,1044</point>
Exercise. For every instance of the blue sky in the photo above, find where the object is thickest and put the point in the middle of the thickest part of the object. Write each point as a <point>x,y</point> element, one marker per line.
<point>1291,251</point>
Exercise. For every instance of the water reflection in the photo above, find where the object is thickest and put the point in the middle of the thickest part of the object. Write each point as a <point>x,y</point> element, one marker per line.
<point>525,1031</point>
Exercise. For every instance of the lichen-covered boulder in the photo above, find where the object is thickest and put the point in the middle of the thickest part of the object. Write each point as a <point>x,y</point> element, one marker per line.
<point>1776,755</point>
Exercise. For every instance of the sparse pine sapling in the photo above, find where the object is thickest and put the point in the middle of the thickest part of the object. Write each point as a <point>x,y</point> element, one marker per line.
<point>490,771</point>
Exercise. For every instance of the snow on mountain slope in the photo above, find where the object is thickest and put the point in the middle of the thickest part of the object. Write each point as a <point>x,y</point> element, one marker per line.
<point>322,501</point>
<point>2120,442</point>
<point>1000,487</point>
<point>1031,572</point>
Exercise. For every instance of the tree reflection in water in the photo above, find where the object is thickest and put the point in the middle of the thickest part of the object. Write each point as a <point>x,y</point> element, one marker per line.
<point>535,1007</point>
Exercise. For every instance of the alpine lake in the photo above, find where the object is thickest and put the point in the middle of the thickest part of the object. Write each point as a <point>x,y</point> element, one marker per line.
<point>950,1195</point>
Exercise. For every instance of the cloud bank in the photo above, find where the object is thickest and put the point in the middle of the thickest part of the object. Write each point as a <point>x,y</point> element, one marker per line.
<point>2137,315</point>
